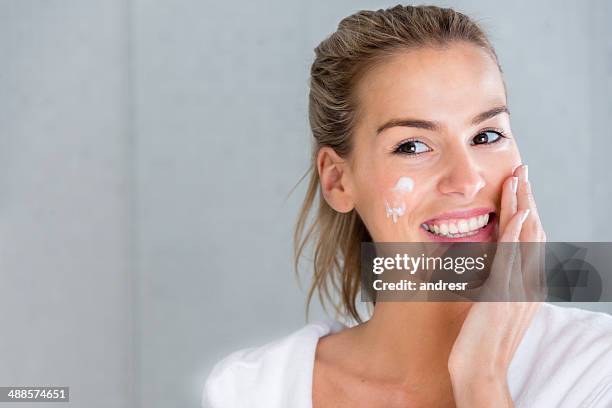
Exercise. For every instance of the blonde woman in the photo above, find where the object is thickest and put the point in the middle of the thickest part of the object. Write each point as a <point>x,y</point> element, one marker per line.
<point>417,91</point>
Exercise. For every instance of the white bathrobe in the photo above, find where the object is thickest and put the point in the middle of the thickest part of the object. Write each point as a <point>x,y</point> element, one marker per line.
<point>564,360</point>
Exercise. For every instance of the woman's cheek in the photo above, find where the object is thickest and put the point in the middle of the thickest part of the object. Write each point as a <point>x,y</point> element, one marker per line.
<point>502,162</point>
<point>501,169</point>
<point>390,217</point>
<point>395,198</point>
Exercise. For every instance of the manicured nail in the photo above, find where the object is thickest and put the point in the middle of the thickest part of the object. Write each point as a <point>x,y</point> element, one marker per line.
<point>525,215</point>
<point>514,184</point>
<point>526,172</point>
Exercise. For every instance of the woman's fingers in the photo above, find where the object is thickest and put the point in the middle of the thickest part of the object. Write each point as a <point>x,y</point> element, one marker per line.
<point>515,273</point>
<point>505,270</point>
<point>498,283</point>
<point>514,227</point>
<point>524,201</point>
<point>532,230</point>
<point>532,234</point>
<point>508,203</point>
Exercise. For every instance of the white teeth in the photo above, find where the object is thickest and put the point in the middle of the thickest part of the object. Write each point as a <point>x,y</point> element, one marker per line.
<point>444,229</point>
<point>481,222</point>
<point>459,228</point>
<point>473,224</point>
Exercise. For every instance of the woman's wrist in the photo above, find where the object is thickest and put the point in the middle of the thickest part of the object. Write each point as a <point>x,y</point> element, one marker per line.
<point>477,390</point>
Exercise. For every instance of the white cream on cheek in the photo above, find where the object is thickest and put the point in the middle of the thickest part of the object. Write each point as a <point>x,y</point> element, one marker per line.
<point>395,206</point>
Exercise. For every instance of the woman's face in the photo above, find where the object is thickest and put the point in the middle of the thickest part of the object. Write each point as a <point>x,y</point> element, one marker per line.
<point>432,146</point>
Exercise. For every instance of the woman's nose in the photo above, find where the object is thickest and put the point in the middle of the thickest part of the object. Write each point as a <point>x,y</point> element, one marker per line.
<point>462,176</point>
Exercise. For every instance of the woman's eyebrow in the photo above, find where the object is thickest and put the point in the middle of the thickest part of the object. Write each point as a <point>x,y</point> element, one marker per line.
<point>435,126</point>
<point>481,117</point>
<point>415,123</point>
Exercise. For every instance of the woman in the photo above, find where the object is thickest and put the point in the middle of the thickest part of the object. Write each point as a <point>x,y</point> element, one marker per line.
<point>414,96</point>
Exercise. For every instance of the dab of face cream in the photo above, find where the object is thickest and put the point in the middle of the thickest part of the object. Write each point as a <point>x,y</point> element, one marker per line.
<point>404,184</point>
<point>395,207</point>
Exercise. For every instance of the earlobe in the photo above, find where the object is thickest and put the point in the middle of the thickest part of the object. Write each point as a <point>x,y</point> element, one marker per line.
<point>332,175</point>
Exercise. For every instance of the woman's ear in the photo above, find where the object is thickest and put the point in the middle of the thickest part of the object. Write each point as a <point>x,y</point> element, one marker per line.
<point>334,174</point>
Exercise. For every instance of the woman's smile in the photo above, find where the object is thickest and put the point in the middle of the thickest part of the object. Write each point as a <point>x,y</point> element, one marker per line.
<point>471,225</point>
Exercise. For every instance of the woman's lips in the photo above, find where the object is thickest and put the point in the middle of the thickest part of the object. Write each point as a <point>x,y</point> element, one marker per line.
<point>460,214</point>
<point>477,228</point>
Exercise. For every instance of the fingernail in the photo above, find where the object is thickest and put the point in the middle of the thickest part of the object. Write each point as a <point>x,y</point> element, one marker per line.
<point>526,172</point>
<point>514,184</point>
<point>525,215</point>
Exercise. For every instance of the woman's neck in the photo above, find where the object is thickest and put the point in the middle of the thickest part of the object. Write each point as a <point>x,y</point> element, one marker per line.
<point>407,340</point>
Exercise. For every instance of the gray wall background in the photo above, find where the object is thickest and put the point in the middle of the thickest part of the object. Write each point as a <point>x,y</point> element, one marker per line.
<point>147,150</point>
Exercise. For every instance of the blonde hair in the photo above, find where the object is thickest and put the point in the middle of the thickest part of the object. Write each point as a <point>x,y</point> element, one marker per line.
<point>361,41</point>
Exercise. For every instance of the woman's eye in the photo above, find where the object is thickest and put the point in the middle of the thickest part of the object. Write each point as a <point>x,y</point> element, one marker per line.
<point>486,137</point>
<point>412,147</point>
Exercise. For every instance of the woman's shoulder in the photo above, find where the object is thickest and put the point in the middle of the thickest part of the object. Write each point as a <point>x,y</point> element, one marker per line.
<point>275,374</point>
<point>566,357</point>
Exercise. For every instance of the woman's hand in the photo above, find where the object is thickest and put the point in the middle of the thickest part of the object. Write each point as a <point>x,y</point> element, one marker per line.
<point>480,357</point>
